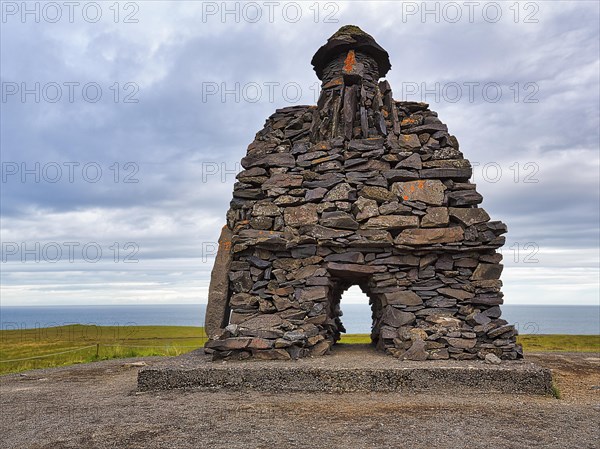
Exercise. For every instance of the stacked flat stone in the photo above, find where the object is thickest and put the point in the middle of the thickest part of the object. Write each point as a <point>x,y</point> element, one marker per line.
<point>357,190</point>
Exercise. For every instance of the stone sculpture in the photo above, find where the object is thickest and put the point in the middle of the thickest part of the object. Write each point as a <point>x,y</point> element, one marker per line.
<point>357,190</point>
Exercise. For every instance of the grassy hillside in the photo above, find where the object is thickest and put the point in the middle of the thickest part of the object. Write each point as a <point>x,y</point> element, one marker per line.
<point>91,343</point>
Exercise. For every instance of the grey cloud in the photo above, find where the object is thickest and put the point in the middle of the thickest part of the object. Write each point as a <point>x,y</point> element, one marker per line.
<point>171,134</point>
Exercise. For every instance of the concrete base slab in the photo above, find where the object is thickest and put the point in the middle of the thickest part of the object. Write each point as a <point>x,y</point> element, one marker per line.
<point>348,368</point>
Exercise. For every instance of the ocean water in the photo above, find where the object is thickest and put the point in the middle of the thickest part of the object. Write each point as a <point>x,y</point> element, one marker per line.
<point>576,320</point>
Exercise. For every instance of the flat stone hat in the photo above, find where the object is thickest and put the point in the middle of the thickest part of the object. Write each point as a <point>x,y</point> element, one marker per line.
<point>346,38</point>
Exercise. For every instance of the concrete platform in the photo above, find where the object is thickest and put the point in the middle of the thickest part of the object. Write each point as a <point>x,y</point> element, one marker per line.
<point>348,368</point>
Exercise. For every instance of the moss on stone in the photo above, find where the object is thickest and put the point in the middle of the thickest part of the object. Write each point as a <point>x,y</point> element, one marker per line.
<point>350,30</point>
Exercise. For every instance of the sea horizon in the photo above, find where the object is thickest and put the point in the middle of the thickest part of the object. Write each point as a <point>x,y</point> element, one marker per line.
<point>527,318</point>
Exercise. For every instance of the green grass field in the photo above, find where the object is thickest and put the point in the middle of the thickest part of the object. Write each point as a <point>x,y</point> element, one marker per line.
<point>91,343</point>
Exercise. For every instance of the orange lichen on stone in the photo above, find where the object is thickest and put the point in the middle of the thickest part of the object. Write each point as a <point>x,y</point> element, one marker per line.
<point>419,185</point>
<point>409,121</point>
<point>350,61</point>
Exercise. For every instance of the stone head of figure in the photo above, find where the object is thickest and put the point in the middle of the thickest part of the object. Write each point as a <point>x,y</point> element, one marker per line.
<point>350,55</point>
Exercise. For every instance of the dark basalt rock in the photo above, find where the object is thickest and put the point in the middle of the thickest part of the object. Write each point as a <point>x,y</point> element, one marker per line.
<point>357,190</point>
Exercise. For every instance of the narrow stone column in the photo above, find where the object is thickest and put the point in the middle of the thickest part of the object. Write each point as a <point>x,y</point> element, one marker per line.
<point>217,309</point>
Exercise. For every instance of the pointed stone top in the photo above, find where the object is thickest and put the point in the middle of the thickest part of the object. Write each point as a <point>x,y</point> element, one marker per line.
<point>350,37</point>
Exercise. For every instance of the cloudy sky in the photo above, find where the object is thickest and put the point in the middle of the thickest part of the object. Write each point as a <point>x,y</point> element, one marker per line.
<point>123,123</point>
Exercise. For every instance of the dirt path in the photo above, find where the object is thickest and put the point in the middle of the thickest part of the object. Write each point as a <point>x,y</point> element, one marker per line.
<point>96,406</point>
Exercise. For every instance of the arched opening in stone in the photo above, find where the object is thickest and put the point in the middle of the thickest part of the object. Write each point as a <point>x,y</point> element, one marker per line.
<point>356,313</point>
<point>371,309</point>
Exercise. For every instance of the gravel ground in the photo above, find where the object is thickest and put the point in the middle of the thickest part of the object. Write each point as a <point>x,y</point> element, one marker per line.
<point>96,406</point>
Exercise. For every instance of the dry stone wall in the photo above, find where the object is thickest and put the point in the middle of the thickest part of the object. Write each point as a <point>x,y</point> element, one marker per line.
<point>358,190</point>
